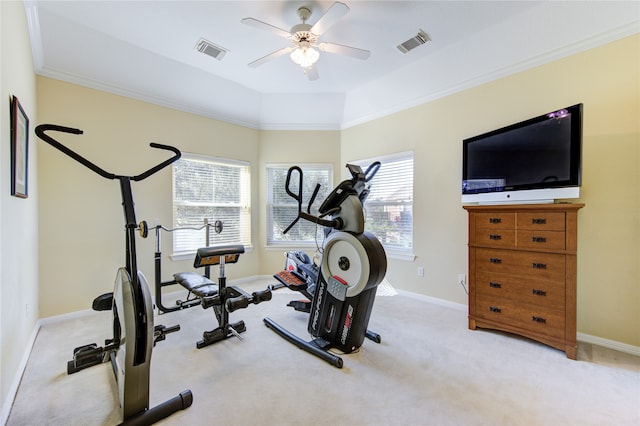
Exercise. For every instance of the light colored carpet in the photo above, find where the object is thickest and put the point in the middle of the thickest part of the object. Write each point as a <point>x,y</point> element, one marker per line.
<point>428,370</point>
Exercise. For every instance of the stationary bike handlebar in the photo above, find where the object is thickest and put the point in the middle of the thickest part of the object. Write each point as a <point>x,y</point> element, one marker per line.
<point>371,171</point>
<point>335,223</point>
<point>43,128</point>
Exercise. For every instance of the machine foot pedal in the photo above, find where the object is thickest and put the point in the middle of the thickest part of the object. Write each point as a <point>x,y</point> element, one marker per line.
<point>84,357</point>
<point>300,305</point>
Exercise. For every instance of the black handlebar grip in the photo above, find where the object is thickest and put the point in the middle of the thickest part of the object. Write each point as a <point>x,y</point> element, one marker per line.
<point>261,296</point>
<point>42,128</point>
<point>298,196</point>
<point>313,197</point>
<point>371,171</point>
<point>236,303</point>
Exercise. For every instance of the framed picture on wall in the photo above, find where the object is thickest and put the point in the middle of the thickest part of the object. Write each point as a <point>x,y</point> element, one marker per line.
<point>19,149</point>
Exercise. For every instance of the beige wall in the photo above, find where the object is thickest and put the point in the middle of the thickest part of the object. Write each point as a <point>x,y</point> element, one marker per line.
<point>606,81</point>
<point>81,219</point>
<point>18,217</point>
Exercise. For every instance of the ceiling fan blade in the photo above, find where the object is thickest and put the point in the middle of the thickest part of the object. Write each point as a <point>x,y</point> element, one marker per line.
<point>271,56</point>
<point>266,27</point>
<point>353,52</point>
<point>331,16</point>
<point>312,73</point>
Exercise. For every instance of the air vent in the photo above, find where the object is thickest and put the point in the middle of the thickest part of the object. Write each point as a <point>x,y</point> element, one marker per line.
<point>210,49</point>
<point>419,39</point>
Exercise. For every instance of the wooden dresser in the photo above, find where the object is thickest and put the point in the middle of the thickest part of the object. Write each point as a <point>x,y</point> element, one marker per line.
<point>522,271</point>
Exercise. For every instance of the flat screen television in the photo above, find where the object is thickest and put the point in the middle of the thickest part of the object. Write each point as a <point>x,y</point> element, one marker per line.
<point>535,161</point>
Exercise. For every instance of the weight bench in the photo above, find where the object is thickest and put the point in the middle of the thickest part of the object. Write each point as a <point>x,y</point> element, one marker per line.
<point>218,296</point>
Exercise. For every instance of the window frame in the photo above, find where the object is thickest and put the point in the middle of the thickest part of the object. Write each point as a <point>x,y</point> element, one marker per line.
<point>393,251</point>
<point>244,217</point>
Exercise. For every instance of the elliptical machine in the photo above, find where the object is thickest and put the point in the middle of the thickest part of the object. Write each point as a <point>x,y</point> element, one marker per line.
<point>134,334</point>
<point>353,264</point>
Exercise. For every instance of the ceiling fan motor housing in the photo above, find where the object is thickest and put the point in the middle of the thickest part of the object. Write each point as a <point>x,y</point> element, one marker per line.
<point>301,33</point>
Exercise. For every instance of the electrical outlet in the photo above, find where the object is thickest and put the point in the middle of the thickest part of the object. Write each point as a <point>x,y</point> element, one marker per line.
<point>462,280</point>
<point>420,271</point>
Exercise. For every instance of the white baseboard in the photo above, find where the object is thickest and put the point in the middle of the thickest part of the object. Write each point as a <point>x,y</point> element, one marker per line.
<point>611,344</point>
<point>434,300</point>
<point>238,281</point>
<point>63,317</point>
<point>15,383</point>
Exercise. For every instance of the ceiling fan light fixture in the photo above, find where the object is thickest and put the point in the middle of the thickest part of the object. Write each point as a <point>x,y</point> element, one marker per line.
<point>305,56</point>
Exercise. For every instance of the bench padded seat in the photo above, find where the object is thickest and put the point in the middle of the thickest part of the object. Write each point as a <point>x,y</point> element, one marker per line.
<point>198,284</point>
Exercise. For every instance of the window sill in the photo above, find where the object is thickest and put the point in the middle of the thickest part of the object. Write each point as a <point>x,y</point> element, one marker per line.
<point>291,246</point>
<point>400,255</point>
<point>391,254</point>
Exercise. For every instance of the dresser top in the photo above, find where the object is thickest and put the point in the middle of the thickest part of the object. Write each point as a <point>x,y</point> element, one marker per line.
<point>524,207</point>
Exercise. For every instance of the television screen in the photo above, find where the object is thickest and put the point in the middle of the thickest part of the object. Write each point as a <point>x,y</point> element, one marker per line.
<point>539,153</point>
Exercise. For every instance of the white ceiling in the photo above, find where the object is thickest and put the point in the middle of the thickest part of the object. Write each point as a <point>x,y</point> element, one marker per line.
<point>146,50</point>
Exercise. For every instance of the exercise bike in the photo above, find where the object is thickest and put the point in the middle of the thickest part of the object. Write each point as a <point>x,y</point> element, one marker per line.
<point>134,334</point>
<point>344,285</point>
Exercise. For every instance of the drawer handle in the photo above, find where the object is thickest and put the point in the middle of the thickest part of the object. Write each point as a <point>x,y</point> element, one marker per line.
<point>495,309</point>
<point>495,237</point>
<point>495,260</point>
<point>539,319</point>
<point>539,239</point>
<point>538,221</point>
<point>539,292</point>
<point>495,220</point>
<point>495,285</point>
<point>535,265</point>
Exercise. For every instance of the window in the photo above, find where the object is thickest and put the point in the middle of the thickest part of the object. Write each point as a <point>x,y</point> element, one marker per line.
<point>389,206</point>
<point>282,209</point>
<point>215,189</point>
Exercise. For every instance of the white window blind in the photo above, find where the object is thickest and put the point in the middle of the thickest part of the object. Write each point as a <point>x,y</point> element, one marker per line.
<point>282,209</point>
<point>389,206</point>
<point>215,189</point>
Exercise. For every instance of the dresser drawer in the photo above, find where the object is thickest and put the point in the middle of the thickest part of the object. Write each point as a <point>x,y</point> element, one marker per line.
<point>550,221</point>
<point>497,220</point>
<point>540,239</point>
<point>549,322</point>
<point>549,294</point>
<point>502,238</point>
<point>530,265</point>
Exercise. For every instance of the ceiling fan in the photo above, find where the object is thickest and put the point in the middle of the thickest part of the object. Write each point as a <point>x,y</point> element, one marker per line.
<point>304,39</point>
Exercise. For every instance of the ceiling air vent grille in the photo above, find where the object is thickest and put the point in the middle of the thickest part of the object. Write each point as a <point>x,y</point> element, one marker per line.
<point>419,39</point>
<point>210,49</point>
